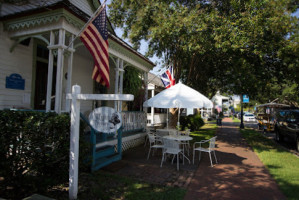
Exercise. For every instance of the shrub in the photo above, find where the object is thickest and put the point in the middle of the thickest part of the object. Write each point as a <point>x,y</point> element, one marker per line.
<point>192,122</point>
<point>34,150</point>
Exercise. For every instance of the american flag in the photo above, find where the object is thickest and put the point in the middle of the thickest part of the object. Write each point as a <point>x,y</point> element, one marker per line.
<point>167,78</point>
<point>95,38</point>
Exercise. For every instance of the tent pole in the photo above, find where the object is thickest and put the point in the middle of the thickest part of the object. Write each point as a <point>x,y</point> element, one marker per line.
<point>178,124</point>
<point>167,117</point>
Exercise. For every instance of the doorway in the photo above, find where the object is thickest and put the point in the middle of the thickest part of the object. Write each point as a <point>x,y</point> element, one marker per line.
<point>41,79</point>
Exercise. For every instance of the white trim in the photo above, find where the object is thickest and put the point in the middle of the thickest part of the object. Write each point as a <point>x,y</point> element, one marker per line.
<point>127,59</point>
<point>105,97</point>
<point>124,140</point>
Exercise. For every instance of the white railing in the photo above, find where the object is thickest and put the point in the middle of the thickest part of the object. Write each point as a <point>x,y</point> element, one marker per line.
<point>159,118</point>
<point>133,120</point>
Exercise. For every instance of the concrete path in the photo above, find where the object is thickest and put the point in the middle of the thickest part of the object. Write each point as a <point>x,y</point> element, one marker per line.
<point>239,173</point>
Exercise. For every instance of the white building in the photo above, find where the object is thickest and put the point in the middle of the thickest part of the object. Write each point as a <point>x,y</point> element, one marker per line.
<point>219,101</point>
<point>155,86</point>
<point>39,63</point>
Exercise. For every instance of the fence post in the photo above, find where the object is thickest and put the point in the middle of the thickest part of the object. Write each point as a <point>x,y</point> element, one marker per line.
<point>74,143</point>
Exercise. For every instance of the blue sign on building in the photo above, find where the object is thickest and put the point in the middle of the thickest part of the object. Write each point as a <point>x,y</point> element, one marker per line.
<point>15,81</point>
<point>245,98</point>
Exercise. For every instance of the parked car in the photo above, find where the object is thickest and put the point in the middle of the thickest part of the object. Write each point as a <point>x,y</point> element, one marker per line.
<point>287,125</point>
<point>249,117</point>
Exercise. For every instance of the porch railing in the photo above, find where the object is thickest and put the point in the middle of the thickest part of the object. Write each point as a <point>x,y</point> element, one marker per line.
<point>133,121</point>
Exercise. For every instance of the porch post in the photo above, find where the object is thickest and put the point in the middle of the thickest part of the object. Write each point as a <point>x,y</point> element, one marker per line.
<point>152,109</point>
<point>60,61</point>
<point>146,85</point>
<point>116,82</point>
<point>50,73</point>
<point>69,73</point>
<point>121,80</point>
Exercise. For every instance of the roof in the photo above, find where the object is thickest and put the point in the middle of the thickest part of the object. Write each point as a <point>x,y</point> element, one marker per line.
<point>24,7</point>
<point>8,9</point>
<point>120,41</point>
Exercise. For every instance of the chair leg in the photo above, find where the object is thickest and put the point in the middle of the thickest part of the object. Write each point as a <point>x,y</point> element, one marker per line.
<point>199,156</point>
<point>215,157</point>
<point>172,159</point>
<point>177,163</point>
<point>210,159</point>
<point>162,160</point>
<point>149,152</point>
<point>146,139</point>
<point>193,156</point>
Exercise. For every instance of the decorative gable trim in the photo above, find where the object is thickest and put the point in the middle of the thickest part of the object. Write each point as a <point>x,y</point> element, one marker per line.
<point>41,19</point>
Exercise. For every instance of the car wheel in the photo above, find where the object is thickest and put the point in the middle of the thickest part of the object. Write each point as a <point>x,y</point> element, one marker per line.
<point>297,143</point>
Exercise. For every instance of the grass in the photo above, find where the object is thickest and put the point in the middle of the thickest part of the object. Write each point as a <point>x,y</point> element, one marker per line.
<point>235,119</point>
<point>282,165</point>
<point>206,132</point>
<point>104,185</point>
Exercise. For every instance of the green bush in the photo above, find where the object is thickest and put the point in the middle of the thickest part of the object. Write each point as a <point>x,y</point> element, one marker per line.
<point>192,122</point>
<point>34,150</point>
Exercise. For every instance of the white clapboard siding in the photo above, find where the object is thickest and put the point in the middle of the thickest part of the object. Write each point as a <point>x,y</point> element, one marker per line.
<point>83,5</point>
<point>82,71</point>
<point>19,61</point>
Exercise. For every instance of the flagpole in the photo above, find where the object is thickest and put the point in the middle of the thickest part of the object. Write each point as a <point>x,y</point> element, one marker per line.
<point>158,75</point>
<point>86,24</point>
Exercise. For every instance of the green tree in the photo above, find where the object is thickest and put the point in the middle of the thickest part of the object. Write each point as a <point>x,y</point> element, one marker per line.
<point>236,46</point>
<point>133,85</point>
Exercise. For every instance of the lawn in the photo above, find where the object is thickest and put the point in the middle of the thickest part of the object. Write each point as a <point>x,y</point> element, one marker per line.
<point>105,185</point>
<point>235,119</point>
<point>282,165</point>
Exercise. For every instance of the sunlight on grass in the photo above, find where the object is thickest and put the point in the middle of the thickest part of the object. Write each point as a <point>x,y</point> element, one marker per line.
<point>104,185</point>
<point>206,132</point>
<point>235,119</point>
<point>282,165</point>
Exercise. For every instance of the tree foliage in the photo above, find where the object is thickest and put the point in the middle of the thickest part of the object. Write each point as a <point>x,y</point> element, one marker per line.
<point>133,85</point>
<point>236,46</point>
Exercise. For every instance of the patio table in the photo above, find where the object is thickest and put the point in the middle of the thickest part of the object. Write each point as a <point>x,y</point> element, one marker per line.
<point>180,138</point>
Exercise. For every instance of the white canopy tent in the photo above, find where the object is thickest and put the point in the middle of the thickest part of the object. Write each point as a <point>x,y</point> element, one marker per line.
<point>179,96</point>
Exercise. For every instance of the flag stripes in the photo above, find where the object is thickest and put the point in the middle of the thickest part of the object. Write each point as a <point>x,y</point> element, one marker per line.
<point>95,38</point>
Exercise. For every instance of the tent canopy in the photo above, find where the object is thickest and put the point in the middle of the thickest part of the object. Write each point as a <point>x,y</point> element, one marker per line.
<point>179,96</point>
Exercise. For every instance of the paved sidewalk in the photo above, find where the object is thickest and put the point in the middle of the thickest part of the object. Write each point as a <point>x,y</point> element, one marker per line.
<point>239,173</point>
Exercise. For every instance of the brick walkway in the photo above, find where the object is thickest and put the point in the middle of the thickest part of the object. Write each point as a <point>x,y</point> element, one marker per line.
<point>135,165</point>
<point>239,173</point>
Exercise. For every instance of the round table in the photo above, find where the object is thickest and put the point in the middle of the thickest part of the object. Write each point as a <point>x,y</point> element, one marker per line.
<point>178,138</point>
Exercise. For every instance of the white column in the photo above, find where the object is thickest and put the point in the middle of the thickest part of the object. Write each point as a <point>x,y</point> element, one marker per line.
<point>59,74</point>
<point>152,109</point>
<point>74,143</point>
<point>146,85</point>
<point>116,82</point>
<point>50,73</point>
<point>69,73</point>
<point>121,80</point>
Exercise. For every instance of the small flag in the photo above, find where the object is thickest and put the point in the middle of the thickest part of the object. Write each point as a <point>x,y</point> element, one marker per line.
<point>95,38</point>
<point>167,78</point>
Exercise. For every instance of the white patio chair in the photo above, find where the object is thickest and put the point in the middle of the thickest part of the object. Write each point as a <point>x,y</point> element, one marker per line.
<point>186,144</point>
<point>155,143</point>
<point>210,149</point>
<point>171,147</point>
<point>146,137</point>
